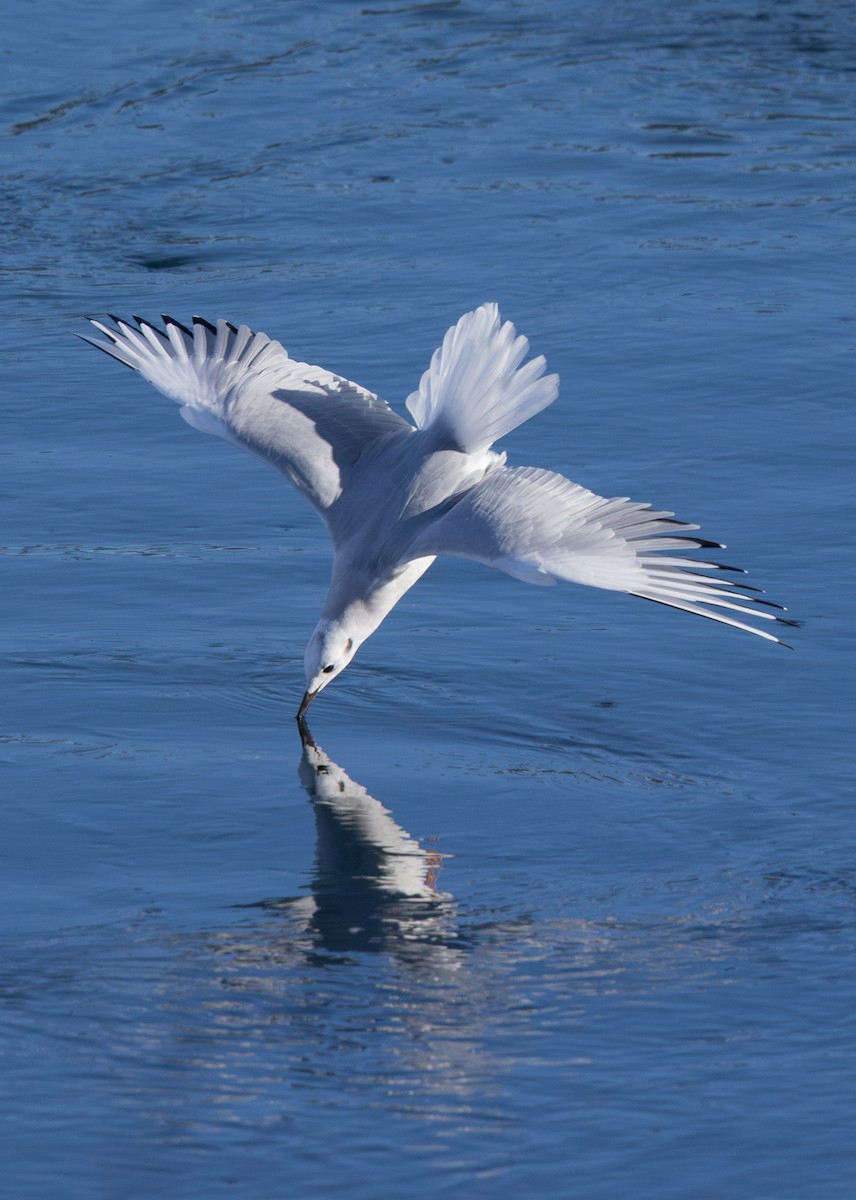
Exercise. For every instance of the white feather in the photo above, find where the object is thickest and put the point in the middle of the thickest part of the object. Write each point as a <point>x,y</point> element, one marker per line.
<point>540,527</point>
<point>475,390</point>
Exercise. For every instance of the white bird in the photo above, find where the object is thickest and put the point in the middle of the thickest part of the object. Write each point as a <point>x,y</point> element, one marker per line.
<point>393,495</point>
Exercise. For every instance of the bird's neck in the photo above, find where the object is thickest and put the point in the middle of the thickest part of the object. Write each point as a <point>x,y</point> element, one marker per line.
<point>359,602</point>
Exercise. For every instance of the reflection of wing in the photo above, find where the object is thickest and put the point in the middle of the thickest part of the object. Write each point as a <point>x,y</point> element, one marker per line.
<point>358,840</point>
<point>241,386</point>
<point>540,527</point>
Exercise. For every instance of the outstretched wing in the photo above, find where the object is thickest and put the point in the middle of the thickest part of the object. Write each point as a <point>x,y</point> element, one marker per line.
<point>308,423</point>
<point>540,527</point>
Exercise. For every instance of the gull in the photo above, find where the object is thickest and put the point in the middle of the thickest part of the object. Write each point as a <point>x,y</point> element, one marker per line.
<point>394,495</point>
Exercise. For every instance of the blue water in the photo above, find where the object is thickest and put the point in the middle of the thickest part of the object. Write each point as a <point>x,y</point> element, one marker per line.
<point>562,903</point>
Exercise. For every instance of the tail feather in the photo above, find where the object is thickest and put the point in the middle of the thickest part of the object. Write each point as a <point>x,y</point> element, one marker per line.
<point>475,390</point>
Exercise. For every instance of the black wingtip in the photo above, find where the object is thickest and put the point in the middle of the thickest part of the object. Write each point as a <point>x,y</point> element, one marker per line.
<point>697,542</point>
<point>105,332</point>
<point>205,324</point>
<point>141,321</point>
<point>104,350</point>
<point>758,600</point>
<point>168,320</point>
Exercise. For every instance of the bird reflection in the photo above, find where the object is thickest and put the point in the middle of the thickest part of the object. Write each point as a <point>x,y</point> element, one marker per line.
<point>374,887</point>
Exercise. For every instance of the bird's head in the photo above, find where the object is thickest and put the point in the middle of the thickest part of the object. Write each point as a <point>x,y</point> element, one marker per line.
<point>330,649</point>
<point>355,607</point>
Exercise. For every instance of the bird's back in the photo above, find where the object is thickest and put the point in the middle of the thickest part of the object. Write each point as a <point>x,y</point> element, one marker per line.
<point>399,485</point>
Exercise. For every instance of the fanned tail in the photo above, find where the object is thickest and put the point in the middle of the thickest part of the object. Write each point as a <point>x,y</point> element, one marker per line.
<point>475,390</point>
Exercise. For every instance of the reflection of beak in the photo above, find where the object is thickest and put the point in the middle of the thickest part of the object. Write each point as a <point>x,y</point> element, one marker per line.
<point>306,738</point>
<point>308,697</point>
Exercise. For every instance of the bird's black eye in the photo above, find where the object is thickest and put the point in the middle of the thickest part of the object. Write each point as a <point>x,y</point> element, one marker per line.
<point>327,670</point>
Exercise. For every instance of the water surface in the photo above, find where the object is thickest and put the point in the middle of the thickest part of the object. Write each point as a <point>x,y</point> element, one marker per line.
<point>580,919</point>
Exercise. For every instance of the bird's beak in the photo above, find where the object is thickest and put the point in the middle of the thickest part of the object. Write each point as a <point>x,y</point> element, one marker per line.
<point>308,697</point>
